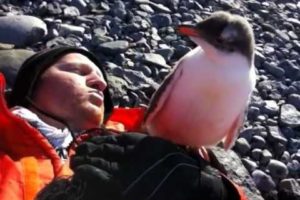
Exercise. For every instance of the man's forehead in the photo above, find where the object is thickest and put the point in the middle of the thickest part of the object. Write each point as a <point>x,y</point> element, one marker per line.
<point>78,59</point>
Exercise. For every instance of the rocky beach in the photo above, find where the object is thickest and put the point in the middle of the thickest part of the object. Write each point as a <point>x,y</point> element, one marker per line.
<point>137,43</point>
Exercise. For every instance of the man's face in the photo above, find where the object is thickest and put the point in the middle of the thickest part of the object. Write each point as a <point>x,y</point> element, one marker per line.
<point>72,89</point>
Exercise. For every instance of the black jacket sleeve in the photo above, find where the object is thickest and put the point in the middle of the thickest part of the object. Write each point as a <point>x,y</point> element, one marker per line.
<point>139,167</point>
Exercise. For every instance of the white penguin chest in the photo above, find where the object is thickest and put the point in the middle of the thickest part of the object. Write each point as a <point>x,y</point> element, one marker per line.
<point>209,92</point>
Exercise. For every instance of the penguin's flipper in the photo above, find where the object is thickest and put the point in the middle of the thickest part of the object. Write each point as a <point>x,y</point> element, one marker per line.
<point>233,132</point>
<point>163,92</point>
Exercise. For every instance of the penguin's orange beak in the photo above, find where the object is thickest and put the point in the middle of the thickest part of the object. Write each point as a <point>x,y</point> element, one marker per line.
<point>188,30</point>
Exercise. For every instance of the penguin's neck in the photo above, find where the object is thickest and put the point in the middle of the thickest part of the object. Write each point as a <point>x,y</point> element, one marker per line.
<point>220,57</point>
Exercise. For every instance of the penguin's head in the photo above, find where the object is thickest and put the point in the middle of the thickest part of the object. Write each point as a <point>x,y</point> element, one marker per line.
<point>227,32</point>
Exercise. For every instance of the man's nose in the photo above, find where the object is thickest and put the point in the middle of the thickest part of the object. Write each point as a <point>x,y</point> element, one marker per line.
<point>95,81</point>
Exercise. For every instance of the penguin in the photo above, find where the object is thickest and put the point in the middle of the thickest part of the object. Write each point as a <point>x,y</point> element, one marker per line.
<point>204,99</point>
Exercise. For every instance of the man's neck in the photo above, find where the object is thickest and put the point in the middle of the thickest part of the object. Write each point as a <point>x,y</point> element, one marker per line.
<point>48,120</point>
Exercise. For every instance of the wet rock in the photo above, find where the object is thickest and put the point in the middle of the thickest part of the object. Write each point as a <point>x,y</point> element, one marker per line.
<point>263,181</point>
<point>21,30</point>
<point>277,169</point>
<point>242,146</point>
<point>54,8</point>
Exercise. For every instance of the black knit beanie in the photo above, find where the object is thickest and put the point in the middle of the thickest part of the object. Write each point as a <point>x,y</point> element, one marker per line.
<point>33,68</point>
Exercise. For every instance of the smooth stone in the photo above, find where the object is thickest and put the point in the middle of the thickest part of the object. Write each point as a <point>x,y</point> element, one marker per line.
<point>277,169</point>
<point>249,164</point>
<point>289,116</point>
<point>256,154</point>
<point>71,11</point>
<point>21,30</point>
<point>153,58</point>
<point>66,29</point>
<point>263,181</point>
<point>242,146</point>
<point>265,157</point>
<point>285,157</point>
<point>275,135</point>
<point>114,47</point>
<point>258,142</point>
<point>294,99</point>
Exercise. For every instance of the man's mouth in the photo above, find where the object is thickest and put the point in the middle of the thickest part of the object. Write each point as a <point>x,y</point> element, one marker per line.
<point>97,97</point>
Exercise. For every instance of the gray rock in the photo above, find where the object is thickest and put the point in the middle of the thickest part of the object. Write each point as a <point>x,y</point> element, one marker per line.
<point>258,142</point>
<point>119,86</point>
<point>21,30</point>
<point>277,169</point>
<point>296,156</point>
<point>263,181</point>
<point>81,5</point>
<point>253,112</point>
<point>291,70</point>
<point>249,164</point>
<point>289,116</point>
<point>11,60</point>
<point>242,146</point>
<point>54,8</point>
<point>181,50</point>
<point>235,170</point>
<point>294,168</point>
<point>66,29</point>
<point>294,99</point>
<point>265,157</point>
<point>274,70</point>
<point>115,47</point>
<point>285,157</point>
<point>269,50</point>
<point>293,145</point>
<point>71,11</point>
<point>275,135</point>
<point>289,189</point>
<point>166,53</point>
<point>153,59</point>
<point>256,154</point>
<point>161,20</point>
<point>271,108</point>
<point>119,10</point>
<point>146,8</point>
